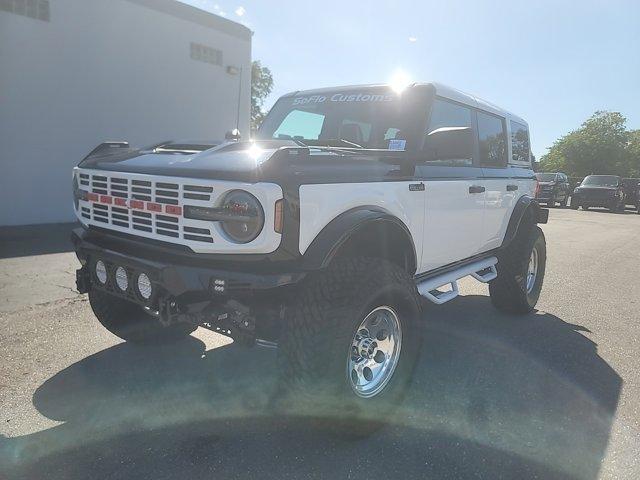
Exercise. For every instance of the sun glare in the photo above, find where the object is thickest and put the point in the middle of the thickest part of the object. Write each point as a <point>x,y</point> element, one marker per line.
<point>399,81</point>
<point>254,152</point>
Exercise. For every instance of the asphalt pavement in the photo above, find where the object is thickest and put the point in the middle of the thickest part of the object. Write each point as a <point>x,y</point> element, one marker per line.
<point>555,394</point>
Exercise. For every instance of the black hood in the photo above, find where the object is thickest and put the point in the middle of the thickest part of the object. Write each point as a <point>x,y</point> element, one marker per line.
<point>241,161</point>
<point>278,161</point>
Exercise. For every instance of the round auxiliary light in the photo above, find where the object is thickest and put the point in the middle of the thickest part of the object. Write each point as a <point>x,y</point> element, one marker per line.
<point>121,278</point>
<point>101,272</point>
<point>144,286</point>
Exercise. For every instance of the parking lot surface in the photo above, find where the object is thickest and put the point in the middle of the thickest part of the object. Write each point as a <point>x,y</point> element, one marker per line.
<point>555,394</point>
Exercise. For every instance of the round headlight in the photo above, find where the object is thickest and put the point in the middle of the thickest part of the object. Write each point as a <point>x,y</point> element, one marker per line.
<point>101,272</point>
<point>243,216</point>
<point>144,286</point>
<point>121,278</point>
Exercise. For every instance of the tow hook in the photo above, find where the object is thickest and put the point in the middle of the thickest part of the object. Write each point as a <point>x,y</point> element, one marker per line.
<point>234,320</point>
<point>170,313</point>
<point>240,316</point>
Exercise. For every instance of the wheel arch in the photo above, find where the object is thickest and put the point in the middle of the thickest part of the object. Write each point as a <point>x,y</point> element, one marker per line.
<point>367,231</point>
<point>526,211</point>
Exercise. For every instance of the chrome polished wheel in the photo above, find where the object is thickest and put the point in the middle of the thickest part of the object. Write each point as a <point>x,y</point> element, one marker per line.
<point>532,270</point>
<point>374,352</point>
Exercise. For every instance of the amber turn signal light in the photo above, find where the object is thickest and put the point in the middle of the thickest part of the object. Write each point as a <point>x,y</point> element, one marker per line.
<point>278,216</point>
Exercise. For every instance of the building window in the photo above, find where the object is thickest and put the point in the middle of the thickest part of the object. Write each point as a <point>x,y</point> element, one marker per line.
<point>38,9</point>
<point>493,140</point>
<point>519,142</point>
<point>206,54</point>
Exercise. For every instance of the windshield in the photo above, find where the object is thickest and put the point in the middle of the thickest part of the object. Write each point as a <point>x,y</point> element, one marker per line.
<point>546,177</point>
<point>601,181</point>
<point>368,118</point>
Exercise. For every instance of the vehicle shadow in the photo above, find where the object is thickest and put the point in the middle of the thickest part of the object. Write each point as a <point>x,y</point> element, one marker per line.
<point>494,396</point>
<point>27,240</point>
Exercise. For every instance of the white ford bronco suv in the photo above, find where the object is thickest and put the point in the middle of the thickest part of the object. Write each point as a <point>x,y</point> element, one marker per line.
<point>319,236</point>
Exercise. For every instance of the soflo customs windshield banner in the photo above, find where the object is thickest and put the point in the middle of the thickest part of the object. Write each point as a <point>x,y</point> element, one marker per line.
<point>344,98</point>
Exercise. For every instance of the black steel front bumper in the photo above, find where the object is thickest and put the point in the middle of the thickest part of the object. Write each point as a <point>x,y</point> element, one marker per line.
<point>181,292</point>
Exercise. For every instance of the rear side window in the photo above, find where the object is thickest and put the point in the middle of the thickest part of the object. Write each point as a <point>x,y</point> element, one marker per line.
<point>493,140</point>
<point>520,143</point>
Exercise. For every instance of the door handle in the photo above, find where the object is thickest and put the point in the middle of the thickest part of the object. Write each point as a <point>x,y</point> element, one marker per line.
<point>512,188</point>
<point>476,189</point>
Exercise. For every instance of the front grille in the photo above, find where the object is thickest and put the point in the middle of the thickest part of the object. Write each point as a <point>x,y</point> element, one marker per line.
<point>151,206</point>
<point>162,224</point>
<point>597,194</point>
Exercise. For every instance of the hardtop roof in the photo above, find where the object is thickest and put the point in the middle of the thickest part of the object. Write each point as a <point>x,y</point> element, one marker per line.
<point>440,89</point>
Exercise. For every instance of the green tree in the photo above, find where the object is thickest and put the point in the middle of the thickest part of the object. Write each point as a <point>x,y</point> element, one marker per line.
<point>599,146</point>
<point>261,86</point>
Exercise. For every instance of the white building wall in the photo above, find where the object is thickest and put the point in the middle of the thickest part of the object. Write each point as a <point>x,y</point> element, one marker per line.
<point>106,70</point>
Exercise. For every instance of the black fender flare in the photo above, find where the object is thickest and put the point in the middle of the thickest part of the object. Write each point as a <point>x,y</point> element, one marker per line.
<point>526,205</point>
<point>343,227</point>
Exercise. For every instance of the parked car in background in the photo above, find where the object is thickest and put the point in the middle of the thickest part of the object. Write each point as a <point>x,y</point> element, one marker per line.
<point>637,192</point>
<point>575,182</point>
<point>631,188</point>
<point>552,188</point>
<point>600,191</point>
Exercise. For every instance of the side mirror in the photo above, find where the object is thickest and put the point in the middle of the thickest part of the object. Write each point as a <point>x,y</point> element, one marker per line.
<point>449,143</point>
<point>232,135</point>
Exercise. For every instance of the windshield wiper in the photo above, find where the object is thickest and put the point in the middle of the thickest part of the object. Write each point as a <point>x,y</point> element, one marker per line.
<point>350,143</point>
<point>329,148</point>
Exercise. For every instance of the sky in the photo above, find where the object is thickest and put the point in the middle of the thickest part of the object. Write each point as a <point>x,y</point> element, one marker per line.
<point>553,63</point>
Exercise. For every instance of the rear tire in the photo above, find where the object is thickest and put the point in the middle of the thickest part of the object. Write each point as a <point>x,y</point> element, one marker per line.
<point>617,208</point>
<point>321,374</point>
<point>521,271</point>
<point>129,321</point>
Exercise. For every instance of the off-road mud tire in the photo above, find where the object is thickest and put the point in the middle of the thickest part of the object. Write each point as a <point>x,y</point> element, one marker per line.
<point>318,331</point>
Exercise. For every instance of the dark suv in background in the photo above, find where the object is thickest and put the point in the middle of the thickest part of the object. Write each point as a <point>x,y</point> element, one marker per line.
<point>605,191</point>
<point>552,188</point>
<point>632,192</point>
